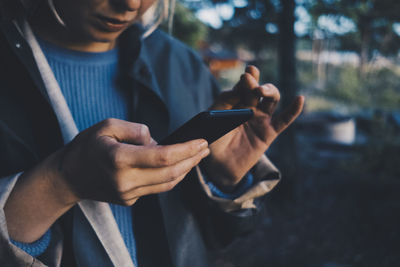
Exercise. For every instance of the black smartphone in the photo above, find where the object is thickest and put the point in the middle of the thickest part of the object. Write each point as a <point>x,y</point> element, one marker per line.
<point>209,125</point>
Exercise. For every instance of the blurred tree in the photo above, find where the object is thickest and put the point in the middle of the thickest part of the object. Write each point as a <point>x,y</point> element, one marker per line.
<point>253,26</point>
<point>186,27</point>
<point>374,21</point>
<point>287,58</point>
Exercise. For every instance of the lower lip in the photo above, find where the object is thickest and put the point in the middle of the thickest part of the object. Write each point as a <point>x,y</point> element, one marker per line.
<point>112,27</point>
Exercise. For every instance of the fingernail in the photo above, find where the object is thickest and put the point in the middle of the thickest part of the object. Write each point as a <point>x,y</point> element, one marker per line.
<point>205,152</point>
<point>203,145</point>
<point>153,142</point>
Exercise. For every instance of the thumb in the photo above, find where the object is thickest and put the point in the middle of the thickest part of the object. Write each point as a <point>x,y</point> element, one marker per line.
<point>226,100</point>
<point>126,132</point>
<point>281,121</point>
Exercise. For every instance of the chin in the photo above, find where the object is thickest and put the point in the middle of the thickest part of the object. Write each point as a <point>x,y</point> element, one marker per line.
<point>104,37</point>
<point>94,35</point>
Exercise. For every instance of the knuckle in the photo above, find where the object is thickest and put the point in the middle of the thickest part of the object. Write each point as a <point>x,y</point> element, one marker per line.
<point>164,157</point>
<point>263,89</point>
<point>270,86</point>
<point>275,92</point>
<point>246,75</point>
<point>168,186</point>
<point>109,123</point>
<point>174,173</point>
<point>115,157</point>
<point>121,187</point>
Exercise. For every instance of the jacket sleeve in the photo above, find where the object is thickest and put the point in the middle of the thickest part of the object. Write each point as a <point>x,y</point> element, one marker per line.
<point>11,255</point>
<point>222,220</point>
<point>266,176</point>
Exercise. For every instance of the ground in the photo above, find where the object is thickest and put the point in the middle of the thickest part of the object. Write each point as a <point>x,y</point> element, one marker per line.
<point>330,211</point>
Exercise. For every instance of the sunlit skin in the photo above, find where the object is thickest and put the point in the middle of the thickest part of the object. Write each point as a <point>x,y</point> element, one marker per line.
<point>117,161</point>
<point>233,155</point>
<point>86,22</point>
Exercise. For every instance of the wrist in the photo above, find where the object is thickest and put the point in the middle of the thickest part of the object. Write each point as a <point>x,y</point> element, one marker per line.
<point>57,182</point>
<point>37,200</point>
<point>220,177</point>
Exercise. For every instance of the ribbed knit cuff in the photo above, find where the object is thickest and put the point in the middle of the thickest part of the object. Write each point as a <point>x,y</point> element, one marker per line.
<point>240,189</point>
<point>36,248</point>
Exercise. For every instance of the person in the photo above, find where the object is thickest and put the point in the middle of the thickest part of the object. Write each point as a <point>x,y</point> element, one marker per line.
<point>87,88</point>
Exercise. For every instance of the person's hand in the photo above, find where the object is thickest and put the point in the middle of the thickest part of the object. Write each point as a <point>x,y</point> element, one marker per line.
<point>233,155</point>
<point>117,161</point>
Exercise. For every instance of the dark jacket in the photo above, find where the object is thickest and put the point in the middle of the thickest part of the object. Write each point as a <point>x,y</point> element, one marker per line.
<point>168,84</point>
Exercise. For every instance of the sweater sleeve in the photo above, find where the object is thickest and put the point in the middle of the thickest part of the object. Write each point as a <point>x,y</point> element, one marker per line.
<point>240,189</point>
<point>36,248</point>
<point>18,254</point>
<point>223,219</point>
<point>264,177</point>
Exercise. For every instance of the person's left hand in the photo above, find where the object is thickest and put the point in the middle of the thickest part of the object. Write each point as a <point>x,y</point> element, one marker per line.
<point>234,154</point>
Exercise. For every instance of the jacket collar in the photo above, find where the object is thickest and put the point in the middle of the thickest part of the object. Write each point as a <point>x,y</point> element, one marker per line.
<point>148,100</point>
<point>13,33</point>
<point>135,59</point>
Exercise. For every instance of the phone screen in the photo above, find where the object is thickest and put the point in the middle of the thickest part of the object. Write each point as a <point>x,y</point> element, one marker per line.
<point>209,125</point>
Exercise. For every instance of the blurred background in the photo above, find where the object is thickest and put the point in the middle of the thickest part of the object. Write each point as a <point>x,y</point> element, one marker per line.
<point>338,203</point>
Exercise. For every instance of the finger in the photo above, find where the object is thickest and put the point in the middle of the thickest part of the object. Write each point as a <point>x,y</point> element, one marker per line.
<point>227,100</point>
<point>283,120</point>
<point>241,91</point>
<point>157,156</point>
<point>253,70</point>
<point>130,197</point>
<point>247,87</point>
<point>270,98</point>
<point>153,142</point>
<point>125,132</point>
<point>141,179</point>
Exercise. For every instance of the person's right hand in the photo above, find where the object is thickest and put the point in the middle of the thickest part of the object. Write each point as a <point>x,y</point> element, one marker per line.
<point>117,161</point>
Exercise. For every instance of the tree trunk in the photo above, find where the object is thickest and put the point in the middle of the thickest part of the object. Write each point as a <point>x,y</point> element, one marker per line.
<point>365,30</point>
<point>287,59</point>
<point>287,157</point>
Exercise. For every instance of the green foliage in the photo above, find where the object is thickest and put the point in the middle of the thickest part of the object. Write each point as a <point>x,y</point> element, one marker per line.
<point>378,89</point>
<point>384,88</point>
<point>247,27</point>
<point>306,76</point>
<point>374,21</point>
<point>345,86</point>
<point>186,27</point>
<point>268,66</point>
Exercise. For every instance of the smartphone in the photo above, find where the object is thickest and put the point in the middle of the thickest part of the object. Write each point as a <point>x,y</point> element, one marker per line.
<point>209,125</point>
